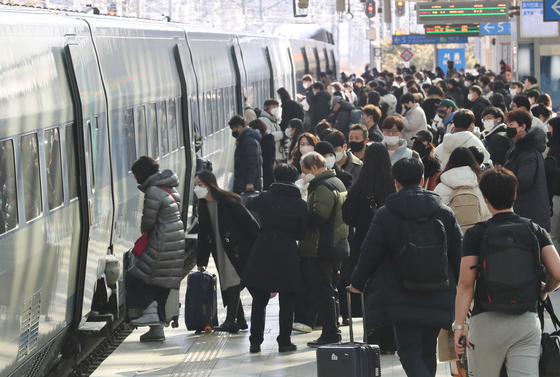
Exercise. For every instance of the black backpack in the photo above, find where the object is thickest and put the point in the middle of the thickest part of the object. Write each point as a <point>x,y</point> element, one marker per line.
<point>509,268</point>
<point>422,261</point>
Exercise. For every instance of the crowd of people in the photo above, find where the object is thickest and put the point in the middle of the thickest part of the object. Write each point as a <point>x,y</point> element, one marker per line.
<point>410,187</point>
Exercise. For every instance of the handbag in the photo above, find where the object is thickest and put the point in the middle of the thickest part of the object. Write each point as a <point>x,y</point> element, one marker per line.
<point>549,364</point>
<point>142,242</point>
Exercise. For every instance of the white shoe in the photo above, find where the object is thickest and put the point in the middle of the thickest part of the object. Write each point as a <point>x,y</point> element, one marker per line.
<point>301,327</point>
<point>149,316</point>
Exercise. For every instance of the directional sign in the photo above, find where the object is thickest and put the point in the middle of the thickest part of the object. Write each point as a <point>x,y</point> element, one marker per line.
<point>407,55</point>
<point>455,54</point>
<point>464,12</point>
<point>496,28</point>
<point>420,39</point>
<point>551,10</point>
<point>468,30</point>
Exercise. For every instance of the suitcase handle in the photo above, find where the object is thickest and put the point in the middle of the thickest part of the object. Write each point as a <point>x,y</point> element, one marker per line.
<point>350,323</point>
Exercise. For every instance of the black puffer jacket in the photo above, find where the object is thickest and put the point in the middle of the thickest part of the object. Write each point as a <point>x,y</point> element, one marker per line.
<point>525,160</point>
<point>290,110</point>
<point>497,144</point>
<point>342,117</point>
<point>388,302</point>
<point>248,161</point>
<point>319,106</point>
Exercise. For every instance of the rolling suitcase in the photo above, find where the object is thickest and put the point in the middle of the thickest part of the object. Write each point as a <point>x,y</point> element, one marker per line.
<point>349,359</point>
<point>201,302</point>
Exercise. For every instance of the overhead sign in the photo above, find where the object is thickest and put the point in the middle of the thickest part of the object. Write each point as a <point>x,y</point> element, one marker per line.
<point>495,28</point>
<point>532,25</point>
<point>407,55</point>
<point>301,8</point>
<point>455,54</point>
<point>468,30</point>
<point>462,12</point>
<point>551,10</point>
<point>420,39</point>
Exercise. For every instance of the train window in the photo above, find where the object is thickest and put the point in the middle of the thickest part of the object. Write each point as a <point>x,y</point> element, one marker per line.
<point>31,176</point>
<point>91,170</point>
<point>209,113</point>
<point>221,109</point>
<point>130,138</point>
<point>142,131</point>
<point>172,111</point>
<point>216,111</point>
<point>8,191</point>
<point>54,168</point>
<point>196,137</point>
<point>96,122</point>
<point>231,103</point>
<point>180,122</point>
<point>152,128</point>
<point>163,128</point>
<point>72,160</point>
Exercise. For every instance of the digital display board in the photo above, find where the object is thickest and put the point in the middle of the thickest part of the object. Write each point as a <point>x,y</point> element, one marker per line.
<point>469,30</point>
<point>462,12</point>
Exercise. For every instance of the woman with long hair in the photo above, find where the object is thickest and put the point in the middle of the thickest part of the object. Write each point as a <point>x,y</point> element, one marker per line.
<point>365,197</point>
<point>294,130</point>
<point>227,230</point>
<point>306,143</point>
<point>422,143</point>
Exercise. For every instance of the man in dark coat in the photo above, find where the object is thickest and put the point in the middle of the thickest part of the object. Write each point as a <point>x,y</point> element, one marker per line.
<point>372,114</point>
<point>479,104</point>
<point>494,136</point>
<point>417,316</point>
<point>341,115</point>
<point>319,103</point>
<point>274,262</point>
<point>247,171</point>
<point>360,91</point>
<point>525,160</point>
<point>455,93</point>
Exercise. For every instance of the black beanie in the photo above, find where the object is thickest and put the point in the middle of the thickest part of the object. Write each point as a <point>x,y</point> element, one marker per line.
<point>324,148</point>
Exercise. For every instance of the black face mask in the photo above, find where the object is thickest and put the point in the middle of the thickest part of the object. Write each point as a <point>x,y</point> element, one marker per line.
<point>419,147</point>
<point>511,132</point>
<point>235,134</point>
<point>356,146</point>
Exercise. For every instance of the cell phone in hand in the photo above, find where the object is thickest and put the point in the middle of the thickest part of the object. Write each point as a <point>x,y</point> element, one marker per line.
<point>463,343</point>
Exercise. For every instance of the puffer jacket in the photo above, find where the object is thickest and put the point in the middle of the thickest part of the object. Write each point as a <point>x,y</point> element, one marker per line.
<point>319,106</point>
<point>273,127</point>
<point>162,261</point>
<point>402,151</point>
<point>327,234</point>
<point>459,139</point>
<point>461,177</point>
<point>343,118</point>
<point>248,161</point>
<point>414,120</point>
<point>391,101</point>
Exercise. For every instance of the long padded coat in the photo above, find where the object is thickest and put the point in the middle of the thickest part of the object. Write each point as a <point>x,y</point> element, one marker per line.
<point>161,263</point>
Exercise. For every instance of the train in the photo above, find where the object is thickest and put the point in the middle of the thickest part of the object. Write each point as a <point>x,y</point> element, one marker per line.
<point>82,96</point>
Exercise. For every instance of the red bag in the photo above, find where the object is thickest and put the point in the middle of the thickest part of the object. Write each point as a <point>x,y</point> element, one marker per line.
<point>140,245</point>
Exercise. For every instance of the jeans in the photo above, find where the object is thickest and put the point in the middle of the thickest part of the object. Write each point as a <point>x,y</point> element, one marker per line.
<point>416,346</point>
<point>140,294</point>
<point>258,314</point>
<point>325,274</point>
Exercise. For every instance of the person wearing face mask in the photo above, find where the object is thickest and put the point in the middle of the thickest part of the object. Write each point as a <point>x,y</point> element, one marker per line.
<point>358,140</point>
<point>422,143</point>
<point>227,230</point>
<point>344,159</point>
<point>304,91</point>
<point>479,104</point>
<point>269,116</point>
<point>372,116</point>
<point>325,149</point>
<point>305,144</point>
<point>522,103</point>
<point>393,129</point>
<point>494,136</point>
<point>462,136</point>
<point>160,267</point>
<point>292,132</point>
<point>414,118</point>
<point>446,111</point>
<point>515,89</point>
<point>525,160</point>
<point>247,173</point>
<point>326,241</point>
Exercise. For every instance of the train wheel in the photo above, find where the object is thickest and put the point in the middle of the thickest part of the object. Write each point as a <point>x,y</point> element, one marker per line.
<point>208,330</point>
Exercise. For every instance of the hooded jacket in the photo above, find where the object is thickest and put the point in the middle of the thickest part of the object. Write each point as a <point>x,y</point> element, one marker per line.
<point>459,139</point>
<point>478,106</point>
<point>162,261</point>
<point>248,161</point>
<point>525,160</point>
<point>319,106</point>
<point>462,177</point>
<point>273,128</point>
<point>342,122</point>
<point>414,120</point>
<point>497,143</point>
<point>402,152</point>
<point>388,302</point>
<point>391,101</point>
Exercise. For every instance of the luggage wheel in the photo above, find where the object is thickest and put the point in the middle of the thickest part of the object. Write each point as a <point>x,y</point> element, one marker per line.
<point>208,330</point>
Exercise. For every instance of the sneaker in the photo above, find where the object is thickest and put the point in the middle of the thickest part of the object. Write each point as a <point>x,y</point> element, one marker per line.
<point>155,334</point>
<point>302,328</point>
<point>149,317</point>
<point>255,348</point>
<point>324,341</point>
<point>287,348</point>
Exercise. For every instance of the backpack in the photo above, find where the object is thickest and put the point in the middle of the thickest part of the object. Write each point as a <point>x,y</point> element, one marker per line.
<point>422,261</point>
<point>466,206</point>
<point>355,116</point>
<point>509,268</point>
<point>258,112</point>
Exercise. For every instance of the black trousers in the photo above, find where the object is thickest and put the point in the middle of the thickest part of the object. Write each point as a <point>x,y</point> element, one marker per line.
<point>140,294</point>
<point>258,315</point>
<point>305,309</point>
<point>417,349</point>
<point>325,274</point>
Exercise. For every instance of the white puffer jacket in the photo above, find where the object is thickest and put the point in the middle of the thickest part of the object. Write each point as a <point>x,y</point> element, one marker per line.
<point>461,177</point>
<point>459,139</point>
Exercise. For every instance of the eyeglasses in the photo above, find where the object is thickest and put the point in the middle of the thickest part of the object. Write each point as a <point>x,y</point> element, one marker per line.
<point>392,132</point>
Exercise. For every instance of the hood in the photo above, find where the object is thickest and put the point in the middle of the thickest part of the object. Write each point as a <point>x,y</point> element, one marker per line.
<point>458,139</point>
<point>535,138</point>
<point>163,178</point>
<point>249,132</point>
<point>268,116</point>
<point>498,128</point>
<point>326,174</point>
<point>414,203</point>
<point>534,87</point>
<point>389,99</point>
<point>459,177</point>
<point>285,188</point>
<point>324,95</point>
<point>482,100</point>
<point>346,106</point>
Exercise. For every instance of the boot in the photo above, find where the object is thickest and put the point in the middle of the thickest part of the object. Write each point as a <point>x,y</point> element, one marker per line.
<point>241,321</point>
<point>155,334</point>
<point>232,304</point>
<point>149,316</point>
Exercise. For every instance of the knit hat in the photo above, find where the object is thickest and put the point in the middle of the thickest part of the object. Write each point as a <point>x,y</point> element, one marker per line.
<point>324,148</point>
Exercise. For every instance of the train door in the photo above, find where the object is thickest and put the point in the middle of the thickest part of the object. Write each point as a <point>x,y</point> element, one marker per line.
<point>270,71</point>
<point>293,77</point>
<point>305,61</point>
<point>334,68</point>
<point>239,90</point>
<point>94,164</point>
<point>316,53</point>
<point>328,67</point>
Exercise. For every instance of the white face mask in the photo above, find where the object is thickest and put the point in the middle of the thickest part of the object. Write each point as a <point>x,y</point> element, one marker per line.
<point>468,84</point>
<point>200,192</point>
<point>470,97</point>
<point>391,140</point>
<point>306,85</point>
<point>513,92</point>
<point>307,177</point>
<point>274,112</point>
<point>330,162</point>
<point>306,149</point>
<point>338,156</point>
<point>288,132</point>
<point>488,124</point>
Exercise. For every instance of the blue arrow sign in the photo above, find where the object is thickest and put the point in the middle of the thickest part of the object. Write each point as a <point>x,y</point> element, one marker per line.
<point>420,39</point>
<point>552,10</point>
<point>496,28</point>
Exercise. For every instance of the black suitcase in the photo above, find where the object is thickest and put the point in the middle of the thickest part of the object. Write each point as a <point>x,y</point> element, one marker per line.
<point>201,302</point>
<point>349,359</point>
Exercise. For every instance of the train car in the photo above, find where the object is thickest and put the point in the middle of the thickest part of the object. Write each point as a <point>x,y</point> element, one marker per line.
<point>81,98</point>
